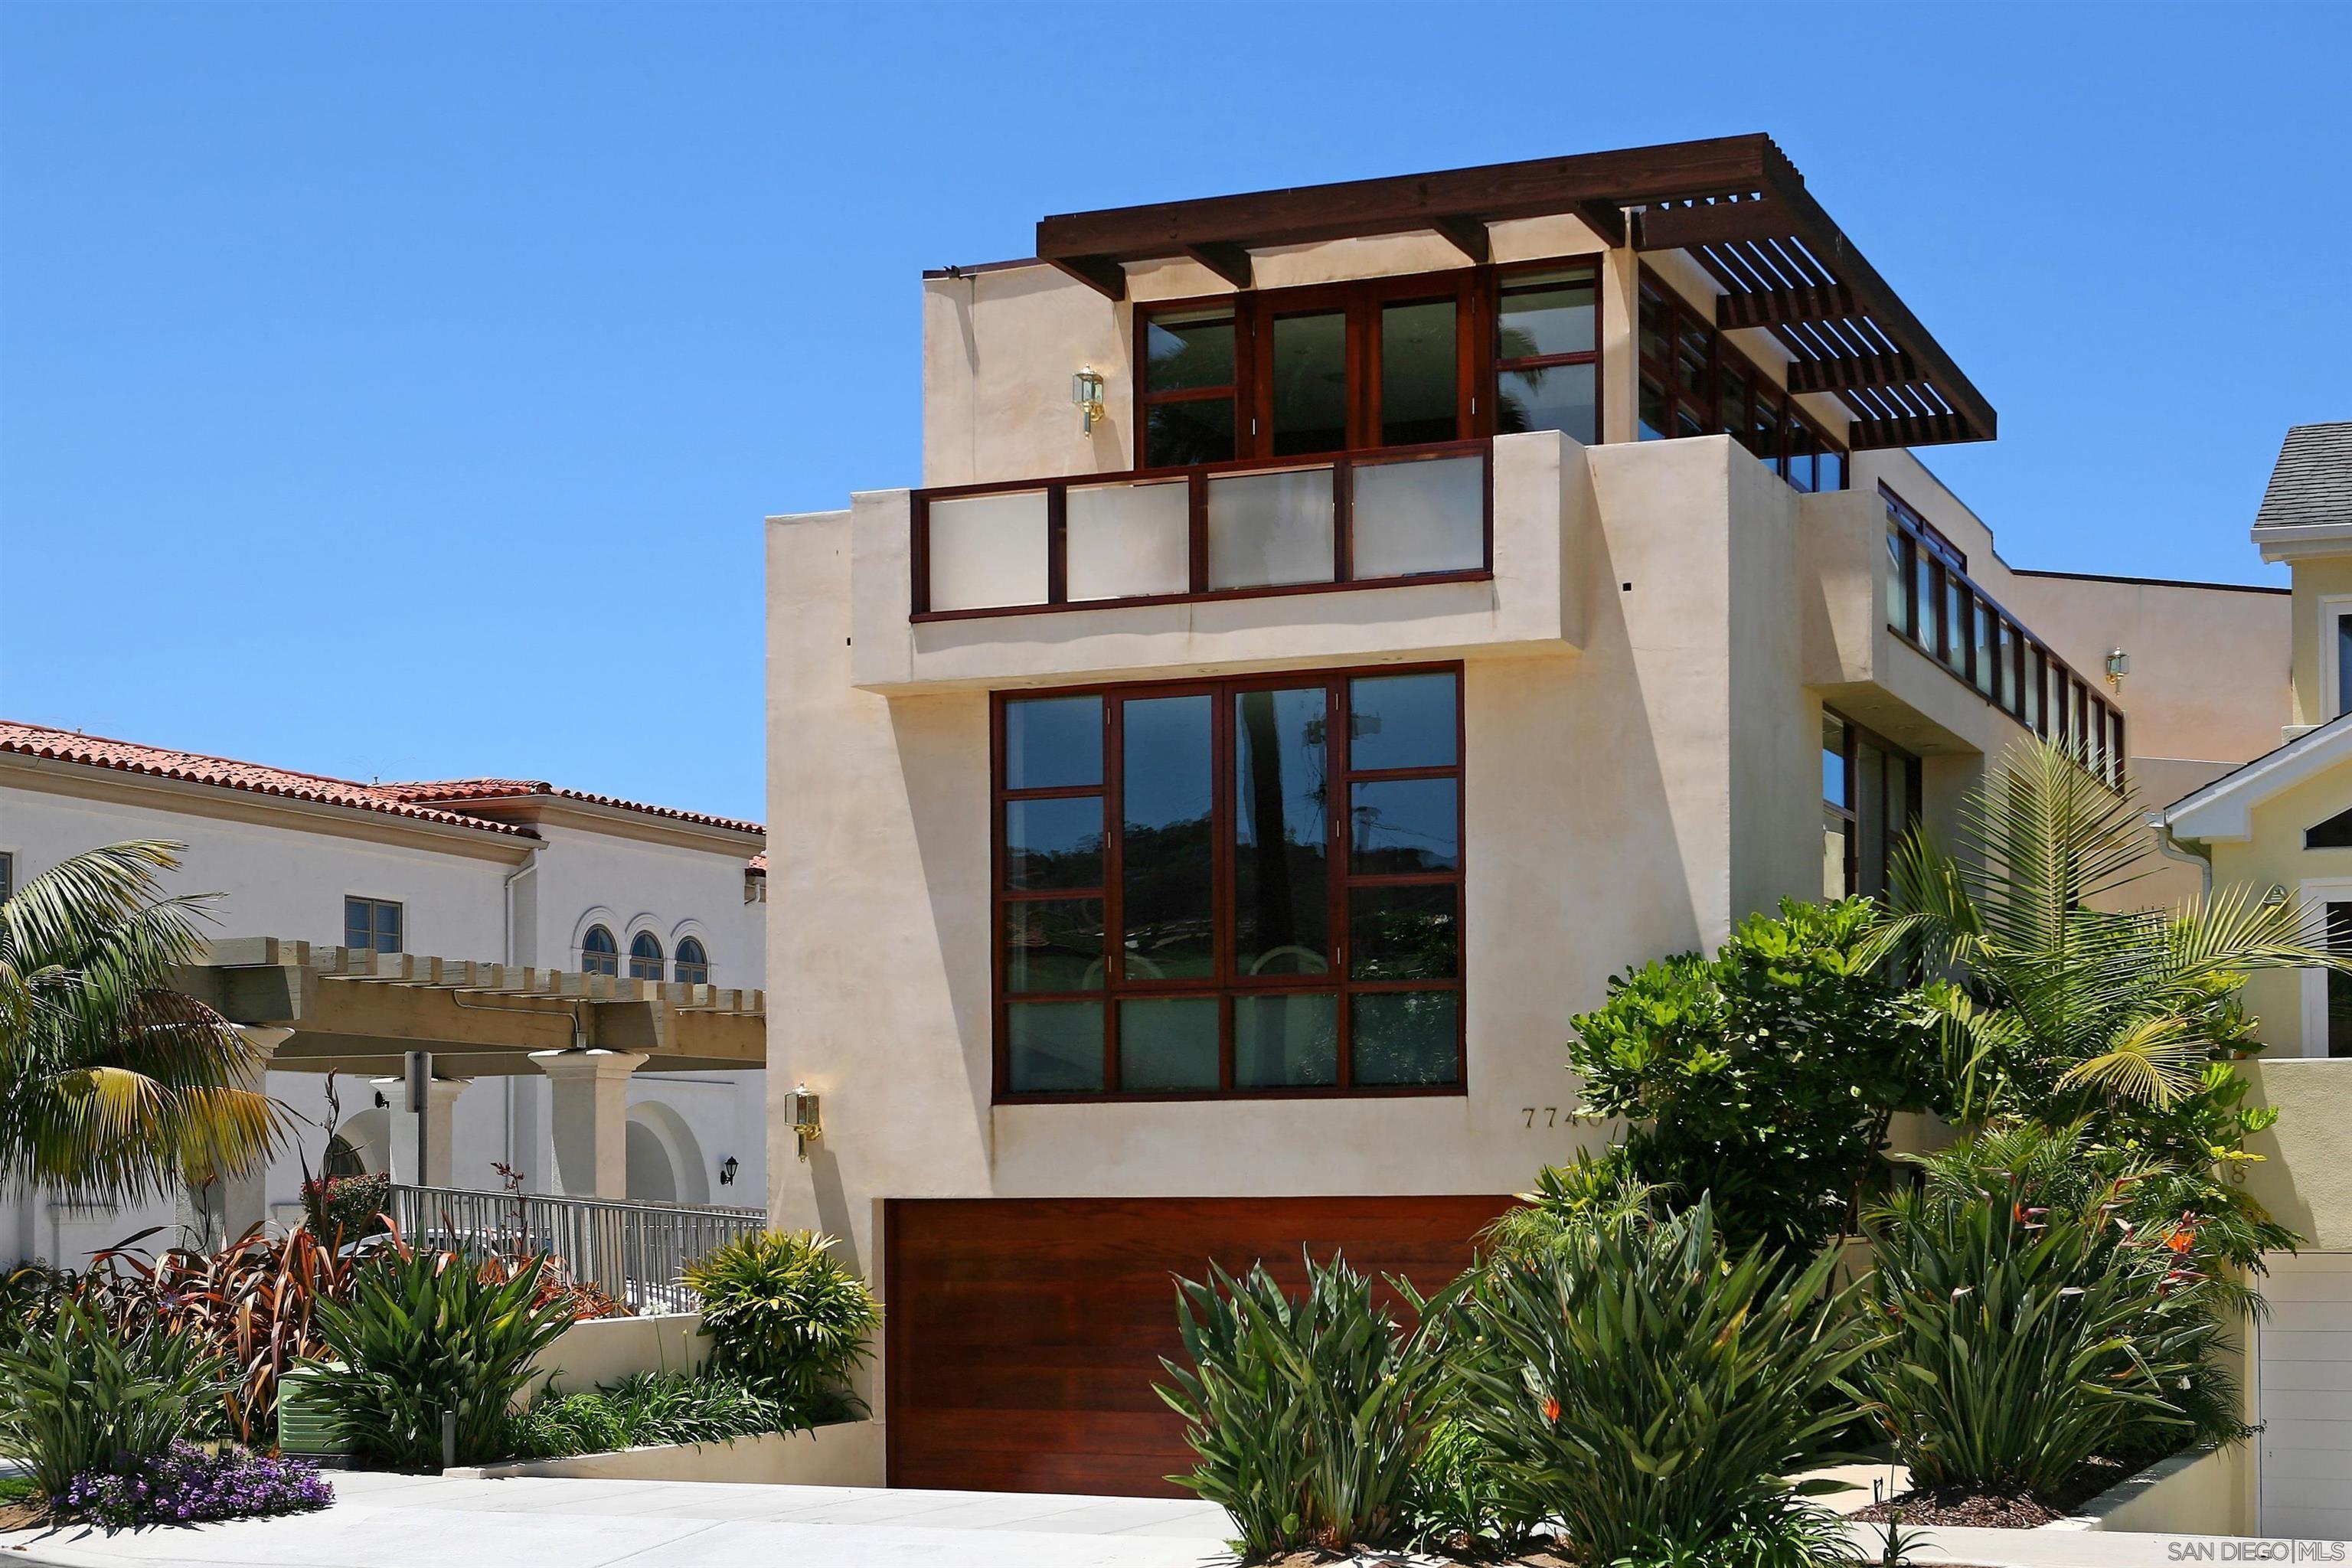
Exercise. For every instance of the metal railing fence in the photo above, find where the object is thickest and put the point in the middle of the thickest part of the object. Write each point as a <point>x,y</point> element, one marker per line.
<point>633,1251</point>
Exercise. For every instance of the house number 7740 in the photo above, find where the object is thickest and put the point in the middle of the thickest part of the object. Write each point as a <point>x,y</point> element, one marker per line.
<point>1550,1114</point>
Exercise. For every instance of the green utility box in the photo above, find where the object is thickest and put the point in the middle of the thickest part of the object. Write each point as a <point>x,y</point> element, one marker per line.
<point>303,1425</point>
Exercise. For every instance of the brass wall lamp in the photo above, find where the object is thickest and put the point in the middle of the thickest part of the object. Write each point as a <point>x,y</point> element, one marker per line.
<point>807,1114</point>
<point>1087,392</point>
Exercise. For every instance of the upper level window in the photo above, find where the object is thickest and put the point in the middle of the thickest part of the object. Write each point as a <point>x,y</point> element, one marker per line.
<point>372,925</point>
<point>7,876</point>
<point>1932,602</point>
<point>1189,358</point>
<point>1695,383</point>
<point>692,966</point>
<point>1547,352</point>
<point>645,957</point>
<point>1231,886</point>
<point>1382,362</point>
<point>599,953</point>
<point>2335,657</point>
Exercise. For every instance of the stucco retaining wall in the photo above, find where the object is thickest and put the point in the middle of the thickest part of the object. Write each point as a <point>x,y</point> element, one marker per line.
<point>848,1454</point>
<point>2201,1492</point>
<point>607,1350</point>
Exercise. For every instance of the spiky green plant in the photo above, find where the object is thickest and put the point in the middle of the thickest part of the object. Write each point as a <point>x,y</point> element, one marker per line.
<point>114,1084</point>
<point>644,1409</point>
<point>423,1333</point>
<point>1307,1412</point>
<point>788,1316</point>
<point>1591,1190</point>
<point>1646,1389</point>
<point>2030,1323</point>
<point>79,1395</point>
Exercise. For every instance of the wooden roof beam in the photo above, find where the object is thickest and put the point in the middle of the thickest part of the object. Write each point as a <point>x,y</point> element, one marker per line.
<point>1785,307</point>
<point>1466,235</point>
<point>1895,369</point>
<point>1230,262</point>
<point>1099,273</point>
<point>1914,430</point>
<point>1714,223</point>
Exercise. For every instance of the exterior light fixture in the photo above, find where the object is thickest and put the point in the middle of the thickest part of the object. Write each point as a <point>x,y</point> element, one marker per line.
<point>2118,666</point>
<point>2275,897</point>
<point>1087,392</point>
<point>726,1169</point>
<point>808,1119</point>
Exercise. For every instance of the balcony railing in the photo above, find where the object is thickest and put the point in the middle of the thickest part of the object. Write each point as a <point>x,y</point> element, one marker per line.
<point>1222,531</point>
<point>1933,604</point>
<point>633,1251</point>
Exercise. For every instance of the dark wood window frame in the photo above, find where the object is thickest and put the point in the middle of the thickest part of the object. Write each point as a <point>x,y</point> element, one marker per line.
<point>1224,984</point>
<point>1475,293</point>
<point>1913,795</point>
<point>2039,690</point>
<point>1699,395</point>
<point>1197,477</point>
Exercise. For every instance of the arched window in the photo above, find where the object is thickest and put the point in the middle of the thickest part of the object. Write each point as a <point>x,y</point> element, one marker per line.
<point>343,1160</point>
<point>645,957</point>
<point>599,953</point>
<point>693,966</point>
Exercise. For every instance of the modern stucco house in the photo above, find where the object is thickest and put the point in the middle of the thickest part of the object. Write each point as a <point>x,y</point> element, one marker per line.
<point>1337,629</point>
<point>582,907</point>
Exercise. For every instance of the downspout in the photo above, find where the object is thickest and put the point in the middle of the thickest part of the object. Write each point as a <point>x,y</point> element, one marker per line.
<point>2170,848</point>
<point>507,899</point>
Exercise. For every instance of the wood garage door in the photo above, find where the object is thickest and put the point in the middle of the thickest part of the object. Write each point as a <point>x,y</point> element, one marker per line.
<point>2303,1398</point>
<point>1024,1335</point>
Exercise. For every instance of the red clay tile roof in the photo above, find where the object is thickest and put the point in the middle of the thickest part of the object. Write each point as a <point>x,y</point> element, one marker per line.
<point>758,863</point>
<point>447,792</point>
<point>195,767</point>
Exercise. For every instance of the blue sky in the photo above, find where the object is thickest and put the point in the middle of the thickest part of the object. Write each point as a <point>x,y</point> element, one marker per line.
<point>396,390</point>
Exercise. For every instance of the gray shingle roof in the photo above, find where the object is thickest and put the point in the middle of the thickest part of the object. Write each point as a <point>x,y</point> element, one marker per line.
<point>2313,481</point>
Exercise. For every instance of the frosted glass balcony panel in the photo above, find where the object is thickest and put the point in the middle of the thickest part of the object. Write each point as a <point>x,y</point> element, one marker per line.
<point>1270,529</point>
<point>987,551</point>
<point>1426,515</point>
<point>1126,541</point>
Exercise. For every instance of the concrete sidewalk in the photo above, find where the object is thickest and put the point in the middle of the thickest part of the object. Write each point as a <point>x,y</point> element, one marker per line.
<point>426,1521</point>
<point>429,1522</point>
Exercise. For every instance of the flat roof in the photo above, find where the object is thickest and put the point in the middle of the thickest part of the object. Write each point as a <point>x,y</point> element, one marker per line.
<point>1736,204</point>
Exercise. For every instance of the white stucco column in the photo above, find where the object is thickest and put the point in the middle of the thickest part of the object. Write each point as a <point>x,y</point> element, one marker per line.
<point>588,1120</point>
<point>440,1101</point>
<point>216,1207</point>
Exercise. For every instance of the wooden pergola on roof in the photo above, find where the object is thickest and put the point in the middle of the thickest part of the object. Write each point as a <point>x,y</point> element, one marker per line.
<point>1736,204</point>
<point>359,1012</point>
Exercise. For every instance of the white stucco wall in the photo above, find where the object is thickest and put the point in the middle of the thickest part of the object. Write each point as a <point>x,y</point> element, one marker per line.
<point>285,871</point>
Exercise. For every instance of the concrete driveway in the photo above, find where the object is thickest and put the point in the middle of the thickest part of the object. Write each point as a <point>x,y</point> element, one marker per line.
<point>426,1521</point>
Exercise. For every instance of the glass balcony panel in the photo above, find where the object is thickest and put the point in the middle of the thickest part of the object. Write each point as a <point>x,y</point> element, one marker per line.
<point>987,551</point>
<point>1428,516</point>
<point>1267,530</point>
<point>1127,540</point>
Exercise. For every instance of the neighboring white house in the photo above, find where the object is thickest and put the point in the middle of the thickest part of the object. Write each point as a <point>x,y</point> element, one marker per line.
<point>492,871</point>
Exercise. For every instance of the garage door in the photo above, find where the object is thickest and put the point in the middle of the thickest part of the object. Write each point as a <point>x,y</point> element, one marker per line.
<point>1024,1336</point>
<point>2305,1398</point>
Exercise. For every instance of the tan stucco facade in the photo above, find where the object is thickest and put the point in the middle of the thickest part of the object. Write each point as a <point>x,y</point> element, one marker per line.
<point>1644,681</point>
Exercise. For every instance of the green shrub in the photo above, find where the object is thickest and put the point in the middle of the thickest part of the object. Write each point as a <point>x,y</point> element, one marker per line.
<point>2022,1336</point>
<point>340,1210</point>
<point>422,1334</point>
<point>76,1398</point>
<point>1647,1390</point>
<point>1764,1075</point>
<point>645,1409</point>
<point>787,1315</point>
<point>1307,1412</point>
<point>1459,1503</point>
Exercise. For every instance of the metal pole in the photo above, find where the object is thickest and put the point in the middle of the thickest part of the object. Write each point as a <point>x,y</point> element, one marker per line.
<point>417,1068</point>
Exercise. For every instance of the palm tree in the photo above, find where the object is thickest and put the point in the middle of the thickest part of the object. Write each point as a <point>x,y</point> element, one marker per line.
<point>2057,1010</point>
<point>112,1083</point>
<point>2061,996</point>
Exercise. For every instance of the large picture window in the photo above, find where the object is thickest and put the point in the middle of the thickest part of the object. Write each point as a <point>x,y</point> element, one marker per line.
<point>1240,887</point>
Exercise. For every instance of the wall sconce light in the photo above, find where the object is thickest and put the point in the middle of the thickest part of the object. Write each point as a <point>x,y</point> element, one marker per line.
<point>2118,666</point>
<point>726,1169</point>
<point>808,1119</point>
<point>1087,392</point>
<point>2274,896</point>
